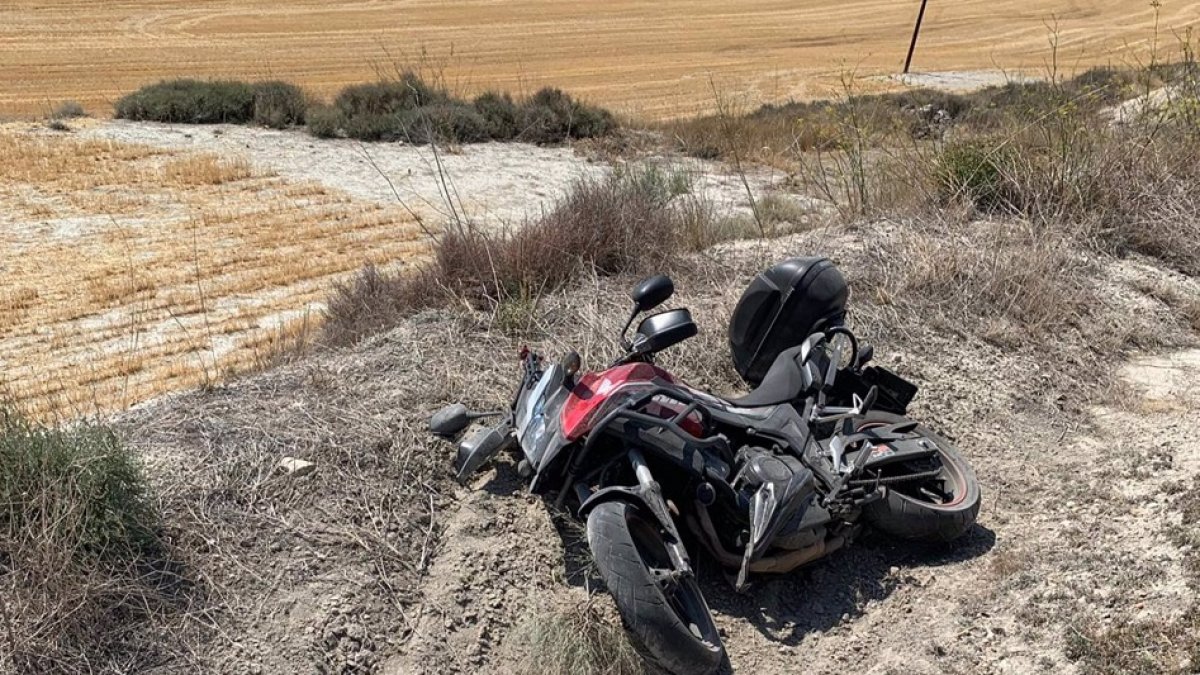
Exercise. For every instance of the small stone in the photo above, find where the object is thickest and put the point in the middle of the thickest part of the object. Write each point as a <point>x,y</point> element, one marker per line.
<point>296,467</point>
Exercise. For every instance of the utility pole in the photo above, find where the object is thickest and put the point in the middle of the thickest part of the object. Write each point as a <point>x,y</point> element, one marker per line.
<point>912,47</point>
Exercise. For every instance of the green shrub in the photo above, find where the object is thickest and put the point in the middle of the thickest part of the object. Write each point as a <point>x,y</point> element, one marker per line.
<point>376,126</point>
<point>190,102</point>
<point>388,97</point>
<point>500,114</point>
<point>406,109</point>
<point>454,122</point>
<point>324,121</point>
<point>78,489</point>
<point>977,171</point>
<point>279,104</point>
<point>83,566</point>
<point>552,116</point>
<point>274,104</point>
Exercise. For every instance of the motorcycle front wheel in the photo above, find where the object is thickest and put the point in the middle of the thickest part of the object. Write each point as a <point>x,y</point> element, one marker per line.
<point>668,618</point>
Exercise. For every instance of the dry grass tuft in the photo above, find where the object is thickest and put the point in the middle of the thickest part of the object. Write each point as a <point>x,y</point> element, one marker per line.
<point>1137,647</point>
<point>571,641</point>
<point>206,169</point>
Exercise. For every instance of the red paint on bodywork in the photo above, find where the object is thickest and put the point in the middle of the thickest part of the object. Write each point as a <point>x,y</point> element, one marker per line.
<point>588,397</point>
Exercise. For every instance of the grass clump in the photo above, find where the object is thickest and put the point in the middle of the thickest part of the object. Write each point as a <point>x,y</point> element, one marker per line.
<point>1137,647</point>
<point>571,641</point>
<point>68,110</point>
<point>80,551</point>
<point>995,277</point>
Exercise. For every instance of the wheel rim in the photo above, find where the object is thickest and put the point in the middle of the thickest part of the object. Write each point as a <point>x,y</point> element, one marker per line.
<point>947,489</point>
<point>682,595</point>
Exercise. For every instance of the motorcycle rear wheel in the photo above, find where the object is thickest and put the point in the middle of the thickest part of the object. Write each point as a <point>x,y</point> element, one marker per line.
<point>669,621</point>
<point>939,510</point>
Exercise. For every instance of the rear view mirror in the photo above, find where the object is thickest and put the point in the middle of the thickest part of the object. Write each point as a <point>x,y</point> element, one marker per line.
<point>454,418</point>
<point>660,331</point>
<point>450,420</point>
<point>652,292</point>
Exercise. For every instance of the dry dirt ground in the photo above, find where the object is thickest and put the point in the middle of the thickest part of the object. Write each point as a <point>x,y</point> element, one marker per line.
<point>377,562</point>
<point>654,59</point>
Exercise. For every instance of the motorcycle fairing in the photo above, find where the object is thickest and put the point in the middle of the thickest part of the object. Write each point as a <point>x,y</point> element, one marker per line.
<point>597,393</point>
<point>537,417</point>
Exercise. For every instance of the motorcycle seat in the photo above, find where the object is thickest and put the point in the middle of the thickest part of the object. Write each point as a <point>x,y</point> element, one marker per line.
<point>786,380</point>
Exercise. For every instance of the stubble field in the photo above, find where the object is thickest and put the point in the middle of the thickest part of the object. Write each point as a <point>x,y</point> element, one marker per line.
<point>649,58</point>
<point>130,271</point>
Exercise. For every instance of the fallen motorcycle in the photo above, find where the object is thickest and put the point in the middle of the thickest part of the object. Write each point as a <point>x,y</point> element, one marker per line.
<point>764,483</point>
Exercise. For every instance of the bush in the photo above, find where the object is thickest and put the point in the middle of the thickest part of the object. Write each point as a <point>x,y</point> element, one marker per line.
<point>79,545</point>
<point>273,104</point>
<point>388,97</point>
<point>80,488</point>
<point>500,114</point>
<point>977,171</point>
<point>604,226</point>
<point>279,104</point>
<point>190,102</point>
<point>552,116</point>
<point>453,122</point>
<point>407,109</point>
<point>376,126</point>
<point>410,110</point>
<point>324,121</point>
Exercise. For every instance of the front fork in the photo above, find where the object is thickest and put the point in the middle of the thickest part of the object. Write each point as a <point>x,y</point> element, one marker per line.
<point>647,493</point>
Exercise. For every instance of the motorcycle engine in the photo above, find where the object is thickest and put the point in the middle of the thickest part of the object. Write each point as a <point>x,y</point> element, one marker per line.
<point>756,466</point>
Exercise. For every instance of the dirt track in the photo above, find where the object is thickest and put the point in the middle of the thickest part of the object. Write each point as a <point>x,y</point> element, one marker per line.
<point>1079,497</point>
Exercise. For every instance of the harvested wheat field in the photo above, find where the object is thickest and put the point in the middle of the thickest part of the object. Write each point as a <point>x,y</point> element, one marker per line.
<point>640,57</point>
<point>130,271</point>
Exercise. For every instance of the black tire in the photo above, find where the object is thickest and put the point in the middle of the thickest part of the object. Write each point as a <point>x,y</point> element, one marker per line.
<point>906,513</point>
<point>624,544</point>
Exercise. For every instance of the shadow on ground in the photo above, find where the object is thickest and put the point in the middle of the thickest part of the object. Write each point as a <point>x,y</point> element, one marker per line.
<point>817,598</point>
